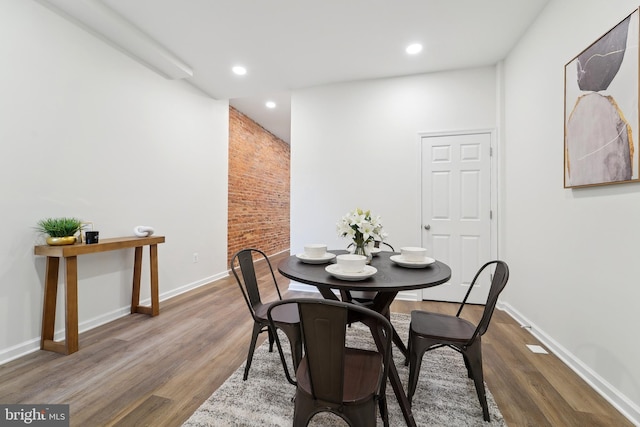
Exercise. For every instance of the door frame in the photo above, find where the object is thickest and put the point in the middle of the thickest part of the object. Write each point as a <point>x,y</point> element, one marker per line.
<point>494,185</point>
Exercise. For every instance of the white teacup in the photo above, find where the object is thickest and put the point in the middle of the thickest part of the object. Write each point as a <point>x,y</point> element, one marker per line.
<point>315,250</point>
<point>411,253</point>
<point>350,263</point>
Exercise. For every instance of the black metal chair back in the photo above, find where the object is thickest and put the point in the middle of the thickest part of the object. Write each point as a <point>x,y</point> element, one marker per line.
<point>498,282</point>
<point>242,266</point>
<point>429,331</point>
<point>333,376</point>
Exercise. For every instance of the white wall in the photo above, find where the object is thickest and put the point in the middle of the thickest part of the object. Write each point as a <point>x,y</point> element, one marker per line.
<point>88,132</point>
<point>357,145</point>
<point>573,253</point>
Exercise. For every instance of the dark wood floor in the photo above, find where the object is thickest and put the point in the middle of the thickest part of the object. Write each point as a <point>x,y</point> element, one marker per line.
<point>143,371</point>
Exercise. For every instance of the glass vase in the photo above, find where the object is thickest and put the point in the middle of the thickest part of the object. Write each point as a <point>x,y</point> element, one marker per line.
<point>362,248</point>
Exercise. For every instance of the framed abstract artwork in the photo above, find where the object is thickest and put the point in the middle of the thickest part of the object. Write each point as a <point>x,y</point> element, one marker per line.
<point>601,110</point>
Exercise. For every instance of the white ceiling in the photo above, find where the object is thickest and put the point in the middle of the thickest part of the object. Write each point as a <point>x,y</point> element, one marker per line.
<point>293,44</point>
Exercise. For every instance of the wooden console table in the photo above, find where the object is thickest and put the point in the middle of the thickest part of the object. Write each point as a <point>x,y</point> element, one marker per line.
<point>70,254</point>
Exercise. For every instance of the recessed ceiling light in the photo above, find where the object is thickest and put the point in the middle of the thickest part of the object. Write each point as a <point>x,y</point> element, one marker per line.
<point>412,49</point>
<point>239,70</point>
<point>270,104</point>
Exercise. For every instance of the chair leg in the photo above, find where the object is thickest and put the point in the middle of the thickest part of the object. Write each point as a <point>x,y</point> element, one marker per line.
<point>254,338</point>
<point>406,359</point>
<point>302,410</point>
<point>473,355</point>
<point>384,412</point>
<point>296,350</point>
<point>272,339</point>
<point>466,364</point>
<point>418,348</point>
<point>294,337</point>
<point>363,414</point>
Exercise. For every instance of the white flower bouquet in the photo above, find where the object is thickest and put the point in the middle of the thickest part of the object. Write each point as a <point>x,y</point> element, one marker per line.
<point>362,227</point>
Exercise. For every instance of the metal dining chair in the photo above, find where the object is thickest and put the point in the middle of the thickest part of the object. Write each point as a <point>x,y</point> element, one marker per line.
<point>332,376</point>
<point>285,318</point>
<point>429,331</point>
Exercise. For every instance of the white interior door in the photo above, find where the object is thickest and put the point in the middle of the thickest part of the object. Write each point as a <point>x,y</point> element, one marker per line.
<point>457,210</point>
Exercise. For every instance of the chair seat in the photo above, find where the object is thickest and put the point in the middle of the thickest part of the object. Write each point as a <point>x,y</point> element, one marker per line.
<point>441,326</point>
<point>281,314</point>
<point>362,371</point>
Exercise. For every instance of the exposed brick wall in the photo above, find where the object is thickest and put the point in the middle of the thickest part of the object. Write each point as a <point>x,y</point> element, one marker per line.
<point>258,187</point>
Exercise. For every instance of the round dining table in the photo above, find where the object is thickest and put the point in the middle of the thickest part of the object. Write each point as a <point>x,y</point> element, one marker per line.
<point>389,279</point>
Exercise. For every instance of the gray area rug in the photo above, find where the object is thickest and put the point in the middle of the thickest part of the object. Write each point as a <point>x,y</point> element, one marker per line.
<point>444,397</point>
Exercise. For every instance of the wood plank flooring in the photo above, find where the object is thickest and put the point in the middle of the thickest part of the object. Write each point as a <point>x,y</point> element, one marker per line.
<point>156,371</point>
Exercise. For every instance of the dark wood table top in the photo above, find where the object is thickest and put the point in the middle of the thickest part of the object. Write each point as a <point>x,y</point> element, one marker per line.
<point>390,277</point>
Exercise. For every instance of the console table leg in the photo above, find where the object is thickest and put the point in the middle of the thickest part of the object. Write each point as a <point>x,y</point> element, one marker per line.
<point>49,304</point>
<point>71,309</point>
<point>154,310</point>
<point>153,263</point>
<point>137,272</point>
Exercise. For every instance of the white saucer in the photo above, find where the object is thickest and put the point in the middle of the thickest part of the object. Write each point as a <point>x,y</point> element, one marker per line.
<point>336,271</point>
<point>328,256</point>
<point>399,259</point>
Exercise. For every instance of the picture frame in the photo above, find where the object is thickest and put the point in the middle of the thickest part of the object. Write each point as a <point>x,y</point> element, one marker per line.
<point>601,109</point>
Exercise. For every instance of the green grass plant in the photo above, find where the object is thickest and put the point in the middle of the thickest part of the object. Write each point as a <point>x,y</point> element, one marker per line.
<point>59,227</point>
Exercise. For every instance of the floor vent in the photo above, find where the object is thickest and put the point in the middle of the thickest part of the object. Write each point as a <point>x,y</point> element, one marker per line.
<point>537,349</point>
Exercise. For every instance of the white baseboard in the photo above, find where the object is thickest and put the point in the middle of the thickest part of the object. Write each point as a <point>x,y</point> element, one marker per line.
<point>32,345</point>
<point>193,285</point>
<point>621,402</point>
<point>301,287</point>
<point>408,296</point>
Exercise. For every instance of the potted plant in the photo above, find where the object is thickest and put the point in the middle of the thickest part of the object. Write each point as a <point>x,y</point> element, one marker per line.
<point>61,231</point>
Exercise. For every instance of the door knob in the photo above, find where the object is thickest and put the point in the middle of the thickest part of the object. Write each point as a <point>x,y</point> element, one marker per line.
<point>427,227</point>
